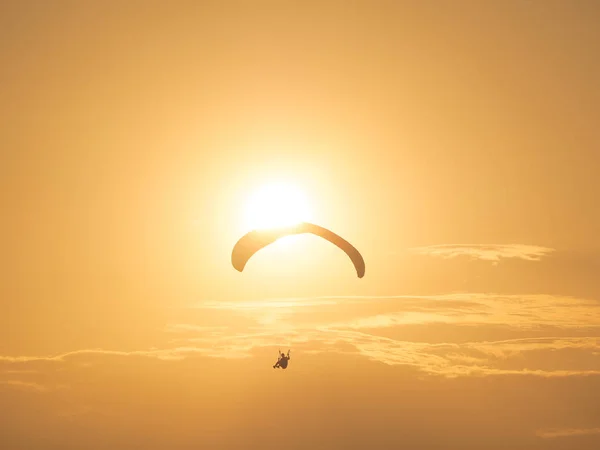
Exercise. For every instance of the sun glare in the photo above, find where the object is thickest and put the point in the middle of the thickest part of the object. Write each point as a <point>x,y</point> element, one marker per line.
<point>275,205</point>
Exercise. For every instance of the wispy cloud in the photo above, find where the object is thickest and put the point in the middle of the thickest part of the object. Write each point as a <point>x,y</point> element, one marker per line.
<point>360,332</point>
<point>187,328</point>
<point>291,302</point>
<point>24,385</point>
<point>487,252</point>
<point>346,326</point>
<point>176,353</point>
<point>487,358</point>
<point>507,357</point>
<point>567,432</point>
<point>519,311</point>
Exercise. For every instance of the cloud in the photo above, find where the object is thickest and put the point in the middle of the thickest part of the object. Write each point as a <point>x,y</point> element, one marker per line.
<point>465,309</point>
<point>350,328</point>
<point>187,328</point>
<point>507,357</point>
<point>486,252</point>
<point>347,326</point>
<point>450,360</point>
<point>291,302</point>
<point>567,432</point>
<point>166,354</point>
<point>24,385</point>
<point>518,311</point>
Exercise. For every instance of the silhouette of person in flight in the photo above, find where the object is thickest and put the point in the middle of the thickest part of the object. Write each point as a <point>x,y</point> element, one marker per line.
<point>282,361</point>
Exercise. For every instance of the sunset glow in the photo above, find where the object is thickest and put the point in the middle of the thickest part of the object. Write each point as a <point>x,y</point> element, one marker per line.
<point>441,292</point>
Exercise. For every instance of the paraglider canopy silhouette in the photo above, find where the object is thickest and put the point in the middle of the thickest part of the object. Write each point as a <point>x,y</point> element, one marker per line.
<point>255,240</point>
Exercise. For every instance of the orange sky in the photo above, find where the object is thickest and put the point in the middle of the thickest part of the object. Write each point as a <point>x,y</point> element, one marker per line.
<point>455,144</point>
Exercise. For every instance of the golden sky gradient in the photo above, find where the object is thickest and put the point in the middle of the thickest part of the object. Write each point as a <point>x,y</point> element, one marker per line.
<point>454,143</point>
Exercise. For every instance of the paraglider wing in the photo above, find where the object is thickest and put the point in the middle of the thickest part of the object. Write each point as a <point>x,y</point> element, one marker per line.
<point>255,240</point>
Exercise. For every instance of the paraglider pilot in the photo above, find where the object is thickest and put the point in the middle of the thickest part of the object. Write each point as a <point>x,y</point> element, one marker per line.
<point>282,361</point>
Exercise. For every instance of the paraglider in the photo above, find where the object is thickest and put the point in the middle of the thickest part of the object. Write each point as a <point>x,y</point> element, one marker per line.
<point>282,361</point>
<point>255,240</point>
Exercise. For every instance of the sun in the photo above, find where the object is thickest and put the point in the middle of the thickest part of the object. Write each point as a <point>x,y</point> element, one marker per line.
<point>276,204</point>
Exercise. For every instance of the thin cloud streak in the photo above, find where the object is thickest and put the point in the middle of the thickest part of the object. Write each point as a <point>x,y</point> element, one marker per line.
<point>486,252</point>
<point>25,385</point>
<point>567,432</point>
<point>518,311</point>
<point>512,311</point>
<point>167,354</point>
<point>291,302</point>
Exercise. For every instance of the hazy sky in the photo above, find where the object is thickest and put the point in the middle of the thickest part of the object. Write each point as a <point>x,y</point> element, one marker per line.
<point>454,143</point>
